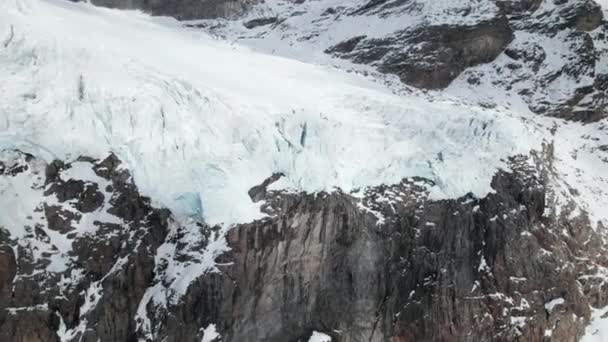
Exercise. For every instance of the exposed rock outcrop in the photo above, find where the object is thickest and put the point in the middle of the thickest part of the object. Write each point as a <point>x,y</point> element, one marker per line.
<point>385,263</point>
<point>83,262</point>
<point>430,56</point>
<point>183,9</point>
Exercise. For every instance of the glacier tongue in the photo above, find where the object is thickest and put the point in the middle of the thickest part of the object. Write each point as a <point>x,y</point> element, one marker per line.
<point>195,118</point>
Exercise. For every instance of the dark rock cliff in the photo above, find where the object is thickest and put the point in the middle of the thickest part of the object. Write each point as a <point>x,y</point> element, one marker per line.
<point>383,264</point>
<point>183,9</point>
<point>430,56</point>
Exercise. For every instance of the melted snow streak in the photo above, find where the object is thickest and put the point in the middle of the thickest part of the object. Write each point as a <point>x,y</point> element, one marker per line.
<point>199,121</point>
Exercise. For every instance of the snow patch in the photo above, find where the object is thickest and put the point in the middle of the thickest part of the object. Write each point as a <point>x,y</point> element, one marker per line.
<point>550,305</point>
<point>319,337</point>
<point>210,334</point>
<point>597,330</point>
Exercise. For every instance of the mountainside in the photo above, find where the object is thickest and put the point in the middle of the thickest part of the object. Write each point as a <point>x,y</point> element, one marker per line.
<point>380,170</point>
<point>550,55</point>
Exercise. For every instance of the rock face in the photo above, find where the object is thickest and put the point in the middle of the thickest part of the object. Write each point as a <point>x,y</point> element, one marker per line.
<point>381,264</point>
<point>466,270</point>
<point>430,56</point>
<point>183,9</point>
<point>77,267</point>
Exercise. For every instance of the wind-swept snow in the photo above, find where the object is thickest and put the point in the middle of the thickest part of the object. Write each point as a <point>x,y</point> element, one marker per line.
<point>200,121</point>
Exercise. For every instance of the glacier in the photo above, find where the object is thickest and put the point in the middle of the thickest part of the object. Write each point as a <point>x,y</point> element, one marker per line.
<point>200,120</point>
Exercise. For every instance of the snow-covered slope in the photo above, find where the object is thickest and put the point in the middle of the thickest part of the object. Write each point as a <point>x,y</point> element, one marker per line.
<point>304,29</point>
<point>540,53</point>
<point>200,121</point>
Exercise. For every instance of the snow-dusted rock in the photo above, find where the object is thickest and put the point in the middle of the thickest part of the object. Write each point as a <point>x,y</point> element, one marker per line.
<point>466,45</point>
<point>501,267</point>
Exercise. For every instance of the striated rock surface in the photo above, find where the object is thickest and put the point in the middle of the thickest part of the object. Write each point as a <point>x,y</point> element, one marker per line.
<point>183,9</point>
<point>430,56</point>
<point>380,264</point>
<point>498,268</point>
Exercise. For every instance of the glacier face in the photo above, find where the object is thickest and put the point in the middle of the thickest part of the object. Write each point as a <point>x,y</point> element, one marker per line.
<point>198,119</point>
